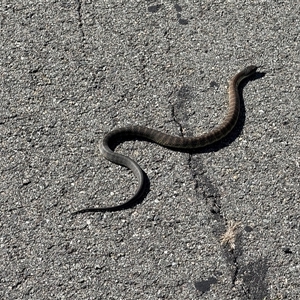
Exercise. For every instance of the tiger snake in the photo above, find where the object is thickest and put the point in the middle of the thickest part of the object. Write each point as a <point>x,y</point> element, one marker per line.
<point>169,141</point>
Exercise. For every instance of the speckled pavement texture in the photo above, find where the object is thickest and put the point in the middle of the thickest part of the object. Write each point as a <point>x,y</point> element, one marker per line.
<point>71,71</point>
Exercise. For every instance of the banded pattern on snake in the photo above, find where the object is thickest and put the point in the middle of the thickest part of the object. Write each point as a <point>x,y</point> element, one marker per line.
<point>169,141</point>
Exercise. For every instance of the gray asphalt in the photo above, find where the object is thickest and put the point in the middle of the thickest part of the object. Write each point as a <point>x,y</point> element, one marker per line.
<point>71,71</point>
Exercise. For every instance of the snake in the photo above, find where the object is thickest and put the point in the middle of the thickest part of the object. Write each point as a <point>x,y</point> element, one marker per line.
<point>169,141</point>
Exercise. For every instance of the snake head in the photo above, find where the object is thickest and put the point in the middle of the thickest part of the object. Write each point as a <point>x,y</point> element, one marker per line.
<point>250,70</point>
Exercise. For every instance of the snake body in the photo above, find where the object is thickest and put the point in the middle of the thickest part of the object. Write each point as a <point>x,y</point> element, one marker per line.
<point>169,141</point>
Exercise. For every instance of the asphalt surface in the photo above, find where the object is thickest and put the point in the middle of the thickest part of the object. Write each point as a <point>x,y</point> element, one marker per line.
<point>71,71</point>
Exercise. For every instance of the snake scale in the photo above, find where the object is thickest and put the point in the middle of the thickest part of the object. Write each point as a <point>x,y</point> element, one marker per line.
<point>169,141</point>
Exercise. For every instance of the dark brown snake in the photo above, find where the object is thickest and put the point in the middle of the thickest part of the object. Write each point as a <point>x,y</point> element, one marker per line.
<point>169,141</point>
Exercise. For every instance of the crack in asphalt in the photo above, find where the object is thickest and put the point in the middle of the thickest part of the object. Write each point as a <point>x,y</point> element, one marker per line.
<point>213,200</point>
<point>79,14</point>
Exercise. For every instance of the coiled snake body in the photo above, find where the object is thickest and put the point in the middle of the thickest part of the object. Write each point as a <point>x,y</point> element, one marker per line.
<point>170,141</point>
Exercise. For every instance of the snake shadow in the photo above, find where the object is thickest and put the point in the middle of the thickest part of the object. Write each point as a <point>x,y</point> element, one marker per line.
<point>223,143</point>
